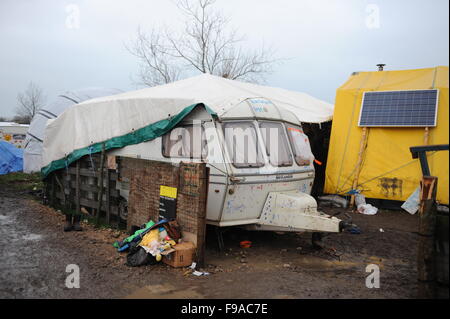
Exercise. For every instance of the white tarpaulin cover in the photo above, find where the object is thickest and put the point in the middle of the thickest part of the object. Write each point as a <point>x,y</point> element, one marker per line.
<point>32,157</point>
<point>80,129</point>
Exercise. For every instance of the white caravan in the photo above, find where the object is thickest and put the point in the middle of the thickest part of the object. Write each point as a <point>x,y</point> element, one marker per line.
<point>267,191</point>
<point>13,133</point>
<point>271,191</point>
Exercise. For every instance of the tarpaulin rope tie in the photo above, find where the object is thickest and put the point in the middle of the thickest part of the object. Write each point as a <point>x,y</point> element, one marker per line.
<point>66,162</point>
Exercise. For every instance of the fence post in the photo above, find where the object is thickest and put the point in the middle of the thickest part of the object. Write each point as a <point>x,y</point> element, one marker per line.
<point>100,185</point>
<point>426,267</point>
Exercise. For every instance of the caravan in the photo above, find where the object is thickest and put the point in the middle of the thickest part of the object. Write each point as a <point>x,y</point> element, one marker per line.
<point>260,161</point>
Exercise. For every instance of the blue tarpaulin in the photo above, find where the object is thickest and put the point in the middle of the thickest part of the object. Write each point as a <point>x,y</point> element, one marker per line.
<point>11,158</point>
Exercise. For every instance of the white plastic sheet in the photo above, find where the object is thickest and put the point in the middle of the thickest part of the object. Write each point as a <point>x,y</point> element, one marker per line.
<point>100,119</point>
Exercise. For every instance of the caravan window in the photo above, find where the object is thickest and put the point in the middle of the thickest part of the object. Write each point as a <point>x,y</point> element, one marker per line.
<point>185,141</point>
<point>276,143</point>
<point>19,136</point>
<point>242,143</point>
<point>300,145</point>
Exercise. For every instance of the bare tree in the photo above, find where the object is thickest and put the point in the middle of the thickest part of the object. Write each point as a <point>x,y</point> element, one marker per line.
<point>29,102</point>
<point>207,45</point>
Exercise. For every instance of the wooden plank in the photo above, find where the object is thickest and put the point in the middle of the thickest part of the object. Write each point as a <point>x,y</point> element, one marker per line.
<point>91,203</point>
<point>362,149</point>
<point>53,190</point>
<point>94,189</point>
<point>61,188</point>
<point>203,181</point>
<point>100,184</point>
<point>426,135</point>
<point>426,267</point>
<point>108,197</point>
<point>91,173</point>
<point>77,188</point>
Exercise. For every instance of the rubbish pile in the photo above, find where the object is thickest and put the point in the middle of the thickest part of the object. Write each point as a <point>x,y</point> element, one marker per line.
<point>155,242</point>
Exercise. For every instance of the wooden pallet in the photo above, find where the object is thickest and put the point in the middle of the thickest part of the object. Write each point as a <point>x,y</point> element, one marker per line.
<point>81,184</point>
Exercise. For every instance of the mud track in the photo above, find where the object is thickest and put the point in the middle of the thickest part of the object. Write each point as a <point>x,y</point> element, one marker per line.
<point>34,253</point>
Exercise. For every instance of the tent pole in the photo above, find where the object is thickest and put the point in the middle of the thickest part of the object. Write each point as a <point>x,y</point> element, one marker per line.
<point>362,148</point>
<point>426,135</point>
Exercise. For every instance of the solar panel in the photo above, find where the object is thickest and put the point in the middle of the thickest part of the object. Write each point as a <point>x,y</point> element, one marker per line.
<point>399,108</point>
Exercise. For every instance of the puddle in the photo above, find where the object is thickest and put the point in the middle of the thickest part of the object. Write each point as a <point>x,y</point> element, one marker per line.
<point>5,220</point>
<point>32,237</point>
<point>165,291</point>
<point>312,262</point>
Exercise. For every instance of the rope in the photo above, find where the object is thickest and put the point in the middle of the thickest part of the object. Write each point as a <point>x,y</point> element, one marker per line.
<point>388,172</point>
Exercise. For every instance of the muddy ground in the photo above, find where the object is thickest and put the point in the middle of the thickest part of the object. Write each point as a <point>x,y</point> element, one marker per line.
<point>34,253</point>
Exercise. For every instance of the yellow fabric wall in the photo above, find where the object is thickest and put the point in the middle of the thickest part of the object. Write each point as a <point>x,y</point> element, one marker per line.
<point>388,170</point>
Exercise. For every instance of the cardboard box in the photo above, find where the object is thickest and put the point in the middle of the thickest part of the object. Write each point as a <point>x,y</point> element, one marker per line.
<point>182,256</point>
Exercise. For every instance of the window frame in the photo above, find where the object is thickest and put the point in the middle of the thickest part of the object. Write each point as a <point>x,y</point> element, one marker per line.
<point>286,143</point>
<point>204,143</point>
<point>259,151</point>
<point>293,147</point>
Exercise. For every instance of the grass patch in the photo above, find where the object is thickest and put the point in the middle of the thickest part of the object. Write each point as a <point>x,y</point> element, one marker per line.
<point>21,181</point>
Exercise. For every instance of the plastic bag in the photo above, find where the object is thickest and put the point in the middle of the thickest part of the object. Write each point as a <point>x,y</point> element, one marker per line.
<point>139,257</point>
<point>360,199</point>
<point>367,209</point>
<point>411,205</point>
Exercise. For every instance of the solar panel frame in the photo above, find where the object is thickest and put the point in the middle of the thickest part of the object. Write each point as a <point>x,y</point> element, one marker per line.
<point>406,124</point>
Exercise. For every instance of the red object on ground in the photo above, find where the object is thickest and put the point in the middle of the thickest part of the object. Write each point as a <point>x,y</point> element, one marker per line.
<point>246,244</point>
<point>317,162</point>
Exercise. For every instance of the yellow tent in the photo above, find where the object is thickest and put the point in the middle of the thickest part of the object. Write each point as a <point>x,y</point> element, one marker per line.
<point>377,160</point>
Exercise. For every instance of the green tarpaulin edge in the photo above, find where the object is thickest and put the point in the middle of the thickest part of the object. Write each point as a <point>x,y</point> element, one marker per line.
<point>143,134</point>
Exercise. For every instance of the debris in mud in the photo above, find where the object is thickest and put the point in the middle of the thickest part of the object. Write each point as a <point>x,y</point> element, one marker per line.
<point>116,234</point>
<point>245,244</point>
<point>333,200</point>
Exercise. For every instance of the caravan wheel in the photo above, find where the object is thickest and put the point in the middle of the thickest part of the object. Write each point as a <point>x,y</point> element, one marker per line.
<point>123,209</point>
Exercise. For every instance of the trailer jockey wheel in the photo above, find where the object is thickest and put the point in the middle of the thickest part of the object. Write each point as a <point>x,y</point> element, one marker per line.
<point>316,240</point>
<point>123,208</point>
<point>220,242</point>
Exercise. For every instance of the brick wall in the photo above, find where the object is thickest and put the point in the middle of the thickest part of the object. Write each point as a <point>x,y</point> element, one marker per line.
<point>146,177</point>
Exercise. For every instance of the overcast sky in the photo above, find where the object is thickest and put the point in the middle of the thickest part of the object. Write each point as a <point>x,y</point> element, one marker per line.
<point>322,41</point>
